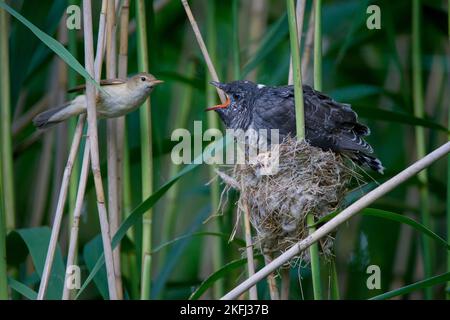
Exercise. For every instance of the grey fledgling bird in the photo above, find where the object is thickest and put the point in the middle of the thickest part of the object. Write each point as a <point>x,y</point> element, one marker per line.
<point>120,97</point>
<point>329,125</point>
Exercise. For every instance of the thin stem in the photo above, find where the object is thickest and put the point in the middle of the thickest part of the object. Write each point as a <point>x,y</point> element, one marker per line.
<point>300,14</point>
<point>120,130</point>
<point>95,161</point>
<point>253,292</point>
<point>213,122</point>
<point>271,281</point>
<point>3,263</point>
<point>334,281</point>
<point>60,208</point>
<point>315,262</point>
<point>112,159</point>
<point>296,64</point>
<point>341,218</point>
<point>71,82</point>
<point>5,116</point>
<point>318,45</point>
<point>68,171</point>
<point>448,174</point>
<point>419,111</point>
<point>73,242</point>
<point>308,45</point>
<point>201,43</point>
<point>285,283</point>
<point>314,249</point>
<point>146,155</point>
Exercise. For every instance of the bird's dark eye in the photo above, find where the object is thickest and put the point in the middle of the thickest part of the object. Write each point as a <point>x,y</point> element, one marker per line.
<point>143,78</point>
<point>236,96</point>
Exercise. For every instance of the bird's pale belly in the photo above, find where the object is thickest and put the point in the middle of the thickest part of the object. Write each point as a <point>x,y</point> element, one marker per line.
<point>115,106</point>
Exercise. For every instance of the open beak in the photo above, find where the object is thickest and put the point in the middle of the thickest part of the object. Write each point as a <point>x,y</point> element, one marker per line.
<point>220,106</point>
<point>155,82</point>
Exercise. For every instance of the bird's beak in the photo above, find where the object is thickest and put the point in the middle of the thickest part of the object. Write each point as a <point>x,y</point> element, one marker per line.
<point>219,106</point>
<point>155,82</point>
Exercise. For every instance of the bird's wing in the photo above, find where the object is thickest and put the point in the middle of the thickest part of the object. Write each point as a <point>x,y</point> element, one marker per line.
<point>104,82</point>
<point>328,124</point>
<point>275,110</point>
<point>334,124</point>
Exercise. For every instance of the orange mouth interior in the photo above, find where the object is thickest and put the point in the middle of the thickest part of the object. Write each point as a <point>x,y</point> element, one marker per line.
<point>220,106</point>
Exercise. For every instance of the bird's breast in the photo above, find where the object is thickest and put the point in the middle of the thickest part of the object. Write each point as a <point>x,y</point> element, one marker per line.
<point>118,101</point>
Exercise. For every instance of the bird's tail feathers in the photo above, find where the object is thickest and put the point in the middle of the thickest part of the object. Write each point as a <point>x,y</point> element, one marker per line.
<point>56,115</point>
<point>363,159</point>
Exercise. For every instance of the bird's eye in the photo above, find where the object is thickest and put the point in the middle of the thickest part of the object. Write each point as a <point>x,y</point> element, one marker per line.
<point>142,78</point>
<point>236,96</point>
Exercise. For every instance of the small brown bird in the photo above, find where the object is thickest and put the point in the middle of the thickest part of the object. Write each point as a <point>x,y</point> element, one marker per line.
<point>120,97</point>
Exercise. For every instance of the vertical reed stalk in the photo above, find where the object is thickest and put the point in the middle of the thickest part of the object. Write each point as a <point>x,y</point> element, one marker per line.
<point>72,82</point>
<point>213,122</point>
<point>296,65</point>
<point>253,292</point>
<point>315,262</point>
<point>318,45</point>
<point>308,45</point>
<point>93,138</point>
<point>201,44</point>
<point>122,140</point>
<point>3,264</point>
<point>314,249</point>
<point>146,154</point>
<point>285,283</point>
<point>448,170</point>
<point>5,116</point>
<point>419,111</point>
<point>300,15</point>
<point>334,281</point>
<point>68,169</point>
<point>271,280</point>
<point>121,134</point>
<point>112,159</point>
<point>73,239</point>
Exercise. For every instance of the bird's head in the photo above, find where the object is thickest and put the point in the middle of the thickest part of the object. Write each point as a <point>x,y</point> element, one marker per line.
<point>144,81</point>
<point>236,111</point>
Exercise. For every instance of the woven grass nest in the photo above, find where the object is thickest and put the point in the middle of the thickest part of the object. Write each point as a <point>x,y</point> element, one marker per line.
<point>308,180</point>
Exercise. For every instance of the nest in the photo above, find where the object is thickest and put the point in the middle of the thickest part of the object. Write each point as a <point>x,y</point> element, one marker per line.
<point>308,181</point>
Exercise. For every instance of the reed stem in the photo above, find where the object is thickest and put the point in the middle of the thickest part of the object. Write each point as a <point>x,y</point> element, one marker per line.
<point>419,111</point>
<point>3,263</point>
<point>4,197</point>
<point>71,83</point>
<point>75,222</point>
<point>253,292</point>
<point>93,138</point>
<point>213,122</point>
<point>448,171</point>
<point>5,116</point>
<point>296,65</point>
<point>112,152</point>
<point>300,15</point>
<point>146,154</point>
